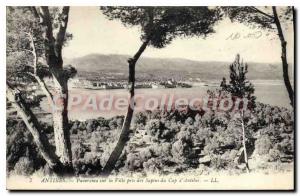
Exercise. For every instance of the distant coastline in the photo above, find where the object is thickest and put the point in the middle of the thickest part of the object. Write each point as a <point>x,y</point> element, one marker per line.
<point>114,68</point>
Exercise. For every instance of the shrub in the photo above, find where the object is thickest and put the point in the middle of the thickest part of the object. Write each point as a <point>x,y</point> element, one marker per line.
<point>88,167</point>
<point>153,125</point>
<point>217,162</point>
<point>133,162</point>
<point>153,165</point>
<point>263,145</point>
<point>24,167</point>
<point>145,154</point>
<point>140,118</point>
<point>180,151</point>
<point>20,144</point>
<point>274,155</point>
<point>113,124</point>
<point>189,121</point>
<point>78,151</point>
<point>287,146</point>
<point>203,134</point>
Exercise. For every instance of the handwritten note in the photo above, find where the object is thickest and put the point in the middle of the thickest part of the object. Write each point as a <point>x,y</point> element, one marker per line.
<point>238,35</point>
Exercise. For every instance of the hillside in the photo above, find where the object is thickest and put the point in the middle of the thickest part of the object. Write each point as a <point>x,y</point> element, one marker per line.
<point>159,68</point>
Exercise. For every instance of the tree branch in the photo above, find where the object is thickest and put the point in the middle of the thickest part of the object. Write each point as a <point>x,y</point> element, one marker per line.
<point>261,12</point>
<point>44,87</point>
<point>40,81</point>
<point>60,37</point>
<point>35,12</point>
<point>146,42</point>
<point>33,51</point>
<point>141,50</point>
<point>48,36</point>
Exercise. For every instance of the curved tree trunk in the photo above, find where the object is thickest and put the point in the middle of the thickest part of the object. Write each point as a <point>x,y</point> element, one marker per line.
<point>124,136</point>
<point>285,65</point>
<point>34,128</point>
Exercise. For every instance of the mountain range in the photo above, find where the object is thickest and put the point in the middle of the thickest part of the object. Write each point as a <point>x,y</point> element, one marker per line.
<point>165,68</point>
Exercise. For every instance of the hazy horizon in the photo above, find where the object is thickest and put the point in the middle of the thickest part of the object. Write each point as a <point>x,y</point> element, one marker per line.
<point>93,34</point>
<point>183,58</point>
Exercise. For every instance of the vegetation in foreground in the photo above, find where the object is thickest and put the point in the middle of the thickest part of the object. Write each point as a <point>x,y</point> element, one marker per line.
<point>166,142</point>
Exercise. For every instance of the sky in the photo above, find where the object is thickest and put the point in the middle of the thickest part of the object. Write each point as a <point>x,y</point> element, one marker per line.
<point>94,33</point>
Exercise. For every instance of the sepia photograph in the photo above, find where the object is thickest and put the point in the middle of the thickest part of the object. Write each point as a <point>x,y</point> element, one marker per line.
<point>150,98</point>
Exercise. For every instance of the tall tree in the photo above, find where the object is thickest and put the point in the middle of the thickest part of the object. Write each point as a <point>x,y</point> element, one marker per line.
<point>272,19</point>
<point>159,26</point>
<point>240,87</point>
<point>35,38</point>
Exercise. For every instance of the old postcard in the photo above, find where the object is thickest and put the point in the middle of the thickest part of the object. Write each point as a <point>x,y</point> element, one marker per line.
<point>150,98</point>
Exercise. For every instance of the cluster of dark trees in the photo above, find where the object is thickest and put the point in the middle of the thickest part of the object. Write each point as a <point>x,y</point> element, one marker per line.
<point>35,39</point>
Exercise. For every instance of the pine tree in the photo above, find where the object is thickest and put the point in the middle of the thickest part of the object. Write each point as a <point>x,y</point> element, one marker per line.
<point>159,26</point>
<point>239,86</point>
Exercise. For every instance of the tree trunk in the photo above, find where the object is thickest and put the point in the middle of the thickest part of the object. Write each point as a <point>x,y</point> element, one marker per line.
<point>53,56</point>
<point>124,136</point>
<point>34,128</point>
<point>244,143</point>
<point>61,125</point>
<point>284,58</point>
